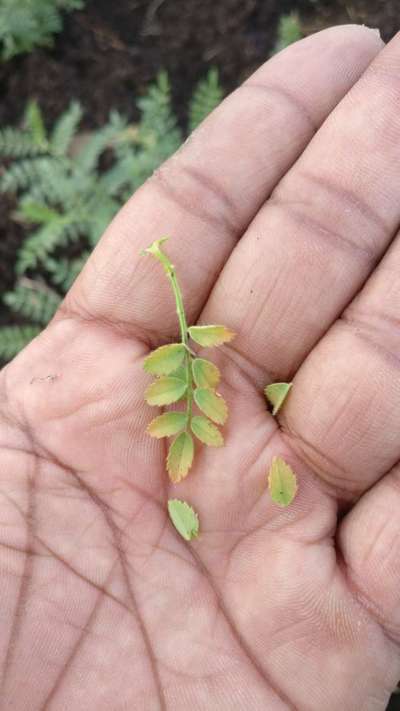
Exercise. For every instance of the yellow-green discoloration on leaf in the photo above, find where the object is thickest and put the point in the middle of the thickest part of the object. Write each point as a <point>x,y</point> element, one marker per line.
<point>180,457</point>
<point>282,482</point>
<point>206,432</point>
<point>165,360</point>
<point>276,394</point>
<point>164,391</point>
<point>211,335</point>
<point>184,518</point>
<point>181,375</point>
<point>213,405</point>
<point>167,424</point>
<point>205,373</point>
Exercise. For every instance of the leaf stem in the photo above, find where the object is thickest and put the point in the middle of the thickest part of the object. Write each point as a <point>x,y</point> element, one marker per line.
<point>179,304</point>
<point>155,251</point>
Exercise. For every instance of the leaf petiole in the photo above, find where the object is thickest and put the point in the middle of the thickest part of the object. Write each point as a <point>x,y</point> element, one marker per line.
<point>156,251</point>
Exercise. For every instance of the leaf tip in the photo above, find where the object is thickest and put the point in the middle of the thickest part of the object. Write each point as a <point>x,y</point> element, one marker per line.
<point>276,394</point>
<point>154,247</point>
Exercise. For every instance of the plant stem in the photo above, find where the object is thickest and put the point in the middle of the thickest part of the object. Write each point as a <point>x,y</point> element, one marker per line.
<point>179,304</point>
<point>180,310</point>
<point>169,269</point>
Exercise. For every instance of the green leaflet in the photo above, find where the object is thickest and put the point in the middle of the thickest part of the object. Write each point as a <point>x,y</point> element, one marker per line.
<point>206,432</point>
<point>181,373</point>
<point>282,482</point>
<point>205,99</point>
<point>165,390</point>
<point>205,373</point>
<point>212,404</point>
<point>35,124</point>
<point>276,394</point>
<point>165,360</point>
<point>167,424</point>
<point>180,457</point>
<point>184,518</point>
<point>210,335</point>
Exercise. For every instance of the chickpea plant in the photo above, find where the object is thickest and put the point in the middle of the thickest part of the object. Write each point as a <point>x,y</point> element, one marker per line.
<point>183,376</point>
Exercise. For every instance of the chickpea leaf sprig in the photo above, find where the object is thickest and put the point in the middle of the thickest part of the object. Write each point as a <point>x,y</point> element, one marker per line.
<point>183,376</point>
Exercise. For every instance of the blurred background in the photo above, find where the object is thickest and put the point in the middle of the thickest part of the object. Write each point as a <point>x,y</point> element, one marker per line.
<point>94,96</point>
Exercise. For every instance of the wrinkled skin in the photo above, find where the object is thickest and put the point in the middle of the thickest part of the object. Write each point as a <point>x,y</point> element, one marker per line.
<point>284,208</point>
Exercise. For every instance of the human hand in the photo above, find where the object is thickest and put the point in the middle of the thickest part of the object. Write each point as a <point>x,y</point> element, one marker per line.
<point>280,207</point>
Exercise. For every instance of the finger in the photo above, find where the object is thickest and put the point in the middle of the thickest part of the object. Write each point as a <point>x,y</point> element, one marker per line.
<point>350,387</point>
<point>209,191</point>
<point>369,542</point>
<point>313,244</point>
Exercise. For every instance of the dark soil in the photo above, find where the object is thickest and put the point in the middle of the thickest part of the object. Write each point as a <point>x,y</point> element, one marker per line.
<point>108,53</point>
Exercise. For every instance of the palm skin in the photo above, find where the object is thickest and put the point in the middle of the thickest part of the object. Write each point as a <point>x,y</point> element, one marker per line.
<point>103,606</point>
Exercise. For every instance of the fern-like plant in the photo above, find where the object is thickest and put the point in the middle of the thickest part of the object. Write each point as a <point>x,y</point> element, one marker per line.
<point>25,24</point>
<point>207,95</point>
<point>65,199</point>
<point>289,31</point>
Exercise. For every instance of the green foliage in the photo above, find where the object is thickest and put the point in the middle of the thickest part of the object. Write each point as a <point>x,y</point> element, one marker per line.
<point>14,338</point>
<point>181,375</point>
<point>210,335</point>
<point>33,300</point>
<point>289,31</point>
<point>25,24</point>
<point>184,518</point>
<point>66,197</point>
<point>276,394</point>
<point>206,97</point>
<point>63,272</point>
<point>165,360</point>
<point>282,482</point>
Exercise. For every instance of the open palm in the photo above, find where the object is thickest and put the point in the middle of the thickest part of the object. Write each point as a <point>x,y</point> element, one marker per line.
<point>281,208</point>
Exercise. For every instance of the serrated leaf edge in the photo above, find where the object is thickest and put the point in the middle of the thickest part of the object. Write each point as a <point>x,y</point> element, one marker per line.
<point>226,411</point>
<point>156,350</point>
<point>171,402</point>
<point>158,417</point>
<point>280,404</point>
<point>274,459</point>
<point>171,474</point>
<point>196,516</point>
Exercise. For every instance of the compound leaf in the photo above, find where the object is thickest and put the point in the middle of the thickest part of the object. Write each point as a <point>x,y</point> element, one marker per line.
<point>282,482</point>
<point>184,518</point>
<point>180,457</point>
<point>167,424</point>
<point>165,360</point>
<point>211,335</point>
<point>165,390</point>
<point>205,373</point>
<point>212,404</point>
<point>206,432</point>
<point>276,394</point>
